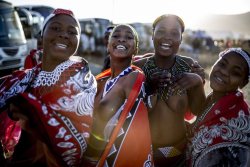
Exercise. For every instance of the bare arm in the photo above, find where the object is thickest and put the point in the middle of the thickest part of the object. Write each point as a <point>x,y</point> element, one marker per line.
<point>193,83</point>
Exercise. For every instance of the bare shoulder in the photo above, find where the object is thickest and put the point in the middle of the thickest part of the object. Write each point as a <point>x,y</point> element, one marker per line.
<point>140,62</point>
<point>129,80</point>
<point>188,60</point>
<point>131,77</point>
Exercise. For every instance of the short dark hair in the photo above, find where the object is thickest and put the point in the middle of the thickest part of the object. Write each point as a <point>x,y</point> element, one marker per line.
<point>167,16</point>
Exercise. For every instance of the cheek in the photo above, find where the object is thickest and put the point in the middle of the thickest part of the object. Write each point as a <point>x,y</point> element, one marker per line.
<point>76,41</point>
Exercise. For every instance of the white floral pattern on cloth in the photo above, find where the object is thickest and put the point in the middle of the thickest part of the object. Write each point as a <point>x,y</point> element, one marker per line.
<point>19,86</point>
<point>67,140</point>
<point>45,78</point>
<point>224,125</point>
<point>235,129</point>
<point>81,103</point>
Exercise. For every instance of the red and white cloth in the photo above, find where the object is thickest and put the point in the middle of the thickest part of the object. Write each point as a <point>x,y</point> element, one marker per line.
<point>60,104</point>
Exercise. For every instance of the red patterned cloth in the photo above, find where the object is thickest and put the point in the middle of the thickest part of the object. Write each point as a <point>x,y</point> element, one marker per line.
<point>60,105</point>
<point>223,126</point>
<point>33,59</point>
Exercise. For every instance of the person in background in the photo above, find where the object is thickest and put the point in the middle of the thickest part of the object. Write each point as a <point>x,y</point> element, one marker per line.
<point>120,133</point>
<point>164,71</point>
<point>221,134</point>
<point>106,64</point>
<point>52,102</point>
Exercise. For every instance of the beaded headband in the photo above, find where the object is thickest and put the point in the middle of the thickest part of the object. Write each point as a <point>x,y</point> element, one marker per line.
<point>240,52</point>
<point>58,12</point>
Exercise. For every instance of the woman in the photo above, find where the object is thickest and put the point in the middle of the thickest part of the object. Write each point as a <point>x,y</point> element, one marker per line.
<point>220,136</point>
<point>54,100</point>
<point>164,70</point>
<point>120,133</point>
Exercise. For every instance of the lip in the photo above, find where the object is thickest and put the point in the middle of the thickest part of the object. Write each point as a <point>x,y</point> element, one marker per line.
<point>62,46</point>
<point>219,80</point>
<point>165,46</point>
<point>121,47</point>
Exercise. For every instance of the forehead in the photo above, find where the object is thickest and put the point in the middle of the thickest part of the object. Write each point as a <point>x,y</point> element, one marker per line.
<point>235,59</point>
<point>168,22</point>
<point>63,19</point>
<point>123,28</point>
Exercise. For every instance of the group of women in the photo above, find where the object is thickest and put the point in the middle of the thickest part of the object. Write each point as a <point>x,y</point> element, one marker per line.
<point>133,114</point>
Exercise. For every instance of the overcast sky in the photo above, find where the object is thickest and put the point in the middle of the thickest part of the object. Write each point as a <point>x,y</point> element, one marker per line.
<point>127,11</point>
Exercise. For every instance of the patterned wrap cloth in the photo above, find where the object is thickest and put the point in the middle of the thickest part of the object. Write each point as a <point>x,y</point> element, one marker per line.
<point>133,146</point>
<point>60,104</point>
<point>221,135</point>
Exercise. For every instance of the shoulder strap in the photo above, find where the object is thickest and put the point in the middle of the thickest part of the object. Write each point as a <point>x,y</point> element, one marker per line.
<point>132,97</point>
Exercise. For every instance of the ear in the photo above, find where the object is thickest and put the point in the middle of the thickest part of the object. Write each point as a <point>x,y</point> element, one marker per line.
<point>153,34</point>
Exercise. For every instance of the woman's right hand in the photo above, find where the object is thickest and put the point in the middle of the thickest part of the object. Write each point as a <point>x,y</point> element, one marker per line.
<point>159,79</point>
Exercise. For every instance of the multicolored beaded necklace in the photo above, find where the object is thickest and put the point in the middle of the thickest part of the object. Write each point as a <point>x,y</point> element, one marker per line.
<point>179,67</point>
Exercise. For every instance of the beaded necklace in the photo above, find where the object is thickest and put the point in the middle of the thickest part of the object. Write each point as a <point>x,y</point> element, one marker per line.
<point>179,67</point>
<point>111,82</point>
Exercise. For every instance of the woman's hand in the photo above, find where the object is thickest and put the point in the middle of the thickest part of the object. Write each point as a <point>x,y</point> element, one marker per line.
<point>196,68</point>
<point>186,81</point>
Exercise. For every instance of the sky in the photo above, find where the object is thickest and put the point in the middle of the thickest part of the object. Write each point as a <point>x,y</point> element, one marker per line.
<point>145,11</point>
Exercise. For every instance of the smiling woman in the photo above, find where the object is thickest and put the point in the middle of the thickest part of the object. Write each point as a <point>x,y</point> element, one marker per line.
<point>51,101</point>
<point>119,111</point>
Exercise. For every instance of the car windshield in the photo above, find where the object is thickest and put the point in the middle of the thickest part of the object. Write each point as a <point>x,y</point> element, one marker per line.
<point>11,32</point>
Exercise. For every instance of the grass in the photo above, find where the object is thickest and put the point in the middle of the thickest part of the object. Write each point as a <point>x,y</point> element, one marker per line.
<point>206,60</point>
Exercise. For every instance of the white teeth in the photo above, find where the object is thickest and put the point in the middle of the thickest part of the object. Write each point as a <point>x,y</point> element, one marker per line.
<point>61,45</point>
<point>219,79</point>
<point>120,47</point>
<point>166,44</point>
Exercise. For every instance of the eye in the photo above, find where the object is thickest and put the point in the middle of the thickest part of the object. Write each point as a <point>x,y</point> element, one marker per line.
<point>175,33</point>
<point>160,32</point>
<point>130,37</point>
<point>115,36</point>
<point>72,32</point>
<point>236,73</point>
<point>221,64</point>
<point>55,28</point>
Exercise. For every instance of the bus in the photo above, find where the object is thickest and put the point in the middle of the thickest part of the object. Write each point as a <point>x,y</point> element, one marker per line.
<point>92,35</point>
<point>13,44</point>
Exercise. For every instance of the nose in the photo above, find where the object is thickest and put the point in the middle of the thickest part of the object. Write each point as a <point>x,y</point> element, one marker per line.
<point>121,39</point>
<point>224,71</point>
<point>64,34</point>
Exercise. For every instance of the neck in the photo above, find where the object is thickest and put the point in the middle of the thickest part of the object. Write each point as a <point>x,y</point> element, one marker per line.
<point>48,64</point>
<point>215,96</point>
<point>118,67</point>
<point>164,61</point>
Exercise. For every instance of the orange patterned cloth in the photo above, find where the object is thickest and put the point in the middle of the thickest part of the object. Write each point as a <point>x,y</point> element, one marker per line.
<point>132,147</point>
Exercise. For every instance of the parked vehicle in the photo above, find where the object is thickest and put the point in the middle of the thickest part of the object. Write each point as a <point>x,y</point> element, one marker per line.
<point>92,36</point>
<point>38,13</point>
<point>13,44</point>
<point>42,9</point>
<point>145,37</point>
